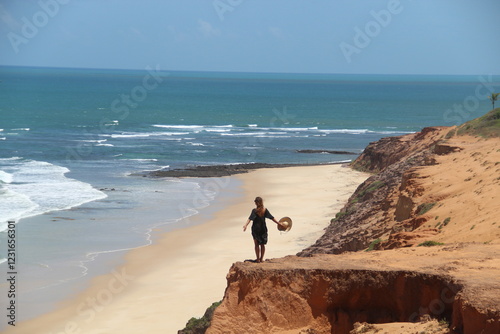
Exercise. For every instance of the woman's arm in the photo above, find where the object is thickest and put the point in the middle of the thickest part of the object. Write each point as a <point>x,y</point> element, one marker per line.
<point>277,222</point>
<point>246,224</point>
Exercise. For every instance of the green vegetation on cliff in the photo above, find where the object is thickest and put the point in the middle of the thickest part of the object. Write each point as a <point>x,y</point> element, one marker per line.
<point>486,126</point>
<point>200,325</point>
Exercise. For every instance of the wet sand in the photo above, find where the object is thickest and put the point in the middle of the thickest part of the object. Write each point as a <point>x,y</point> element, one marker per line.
<point>161,286</point>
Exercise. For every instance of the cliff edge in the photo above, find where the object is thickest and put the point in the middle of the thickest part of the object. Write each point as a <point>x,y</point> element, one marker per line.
<point>331,293</point>
<point>438,187</point>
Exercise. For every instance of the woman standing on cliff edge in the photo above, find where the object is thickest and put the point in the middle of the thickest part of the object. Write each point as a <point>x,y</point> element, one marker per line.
<point>259,228</point>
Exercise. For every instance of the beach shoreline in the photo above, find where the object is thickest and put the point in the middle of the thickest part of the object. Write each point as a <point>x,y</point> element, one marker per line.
<point>161,286</point>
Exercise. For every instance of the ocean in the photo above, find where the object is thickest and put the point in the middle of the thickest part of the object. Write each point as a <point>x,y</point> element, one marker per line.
<point>75,145</point>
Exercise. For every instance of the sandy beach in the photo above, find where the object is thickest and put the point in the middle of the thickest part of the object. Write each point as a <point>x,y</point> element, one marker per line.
<point>163,285</point>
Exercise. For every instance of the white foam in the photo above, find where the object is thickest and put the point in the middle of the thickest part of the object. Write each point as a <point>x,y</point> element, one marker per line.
<point>346,131</point>
<point>3,226</point>
<point>38,187</point>
<point>142,160</point>
<point>193,127</point>
<point>102,142</point>
<point>21,129</point>
<point>135,135</point>
<point>5,177</point>
<point>271,136</point>
<point>178,126</point>
<point>362,131</point>
<point>147,134</point>
<point>10,159</point>
<point>243,134</point>
<point>291,129</point>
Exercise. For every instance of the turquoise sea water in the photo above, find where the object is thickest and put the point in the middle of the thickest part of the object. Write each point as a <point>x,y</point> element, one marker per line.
<point>70,136</point>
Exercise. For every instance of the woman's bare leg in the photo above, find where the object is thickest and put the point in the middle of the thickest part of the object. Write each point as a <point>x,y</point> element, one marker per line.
<point>257,250</point>
<point>262,251</point>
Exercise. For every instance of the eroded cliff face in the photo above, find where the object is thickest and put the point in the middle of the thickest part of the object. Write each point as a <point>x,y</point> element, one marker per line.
<point>381,203</point>
<point>330,293</point>
<point>428,186</point>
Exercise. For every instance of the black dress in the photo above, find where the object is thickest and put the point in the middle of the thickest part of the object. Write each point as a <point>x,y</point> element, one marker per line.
<point>259,228</point>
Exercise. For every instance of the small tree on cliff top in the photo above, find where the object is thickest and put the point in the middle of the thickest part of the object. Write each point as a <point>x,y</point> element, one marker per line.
<point>493,97</point>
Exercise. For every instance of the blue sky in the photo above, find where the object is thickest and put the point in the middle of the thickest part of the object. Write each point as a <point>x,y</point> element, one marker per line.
<point>297,36</point>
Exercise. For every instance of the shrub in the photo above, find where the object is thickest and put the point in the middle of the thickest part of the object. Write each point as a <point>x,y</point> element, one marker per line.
<point>200,325</point>
<point>374,186</point>
<point>424,208</point>
<point>338,216</point>
<point>373,244</point>
<point>430,243</point>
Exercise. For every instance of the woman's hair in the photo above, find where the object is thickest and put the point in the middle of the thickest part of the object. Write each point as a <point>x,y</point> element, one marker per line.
<point>260,206</point>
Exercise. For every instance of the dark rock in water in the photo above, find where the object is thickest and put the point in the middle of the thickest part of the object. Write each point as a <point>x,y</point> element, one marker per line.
<point>220,170</point>
<point>327,151</point>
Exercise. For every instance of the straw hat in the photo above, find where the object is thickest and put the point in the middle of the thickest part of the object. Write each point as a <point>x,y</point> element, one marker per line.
<point>287,224</point>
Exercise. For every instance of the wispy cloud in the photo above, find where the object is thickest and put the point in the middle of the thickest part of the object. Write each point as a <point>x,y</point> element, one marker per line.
<point>177,35</point>
<point>207,29</point>
<point>137,33</point>
<point>7,18</point>
<point>276,32</point>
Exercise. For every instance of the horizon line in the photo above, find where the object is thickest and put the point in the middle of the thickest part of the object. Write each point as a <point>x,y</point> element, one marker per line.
<point>243,72</point>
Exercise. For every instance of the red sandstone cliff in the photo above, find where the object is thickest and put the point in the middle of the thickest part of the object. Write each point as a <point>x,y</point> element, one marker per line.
<point>428,186</point>
<point>378,206</point>
<point>330,293</point>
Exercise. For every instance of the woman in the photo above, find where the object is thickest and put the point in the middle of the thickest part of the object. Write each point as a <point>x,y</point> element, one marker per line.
<point>259,228</point>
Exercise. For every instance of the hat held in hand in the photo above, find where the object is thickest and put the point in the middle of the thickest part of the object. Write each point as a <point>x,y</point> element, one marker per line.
<point>286,224</point>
